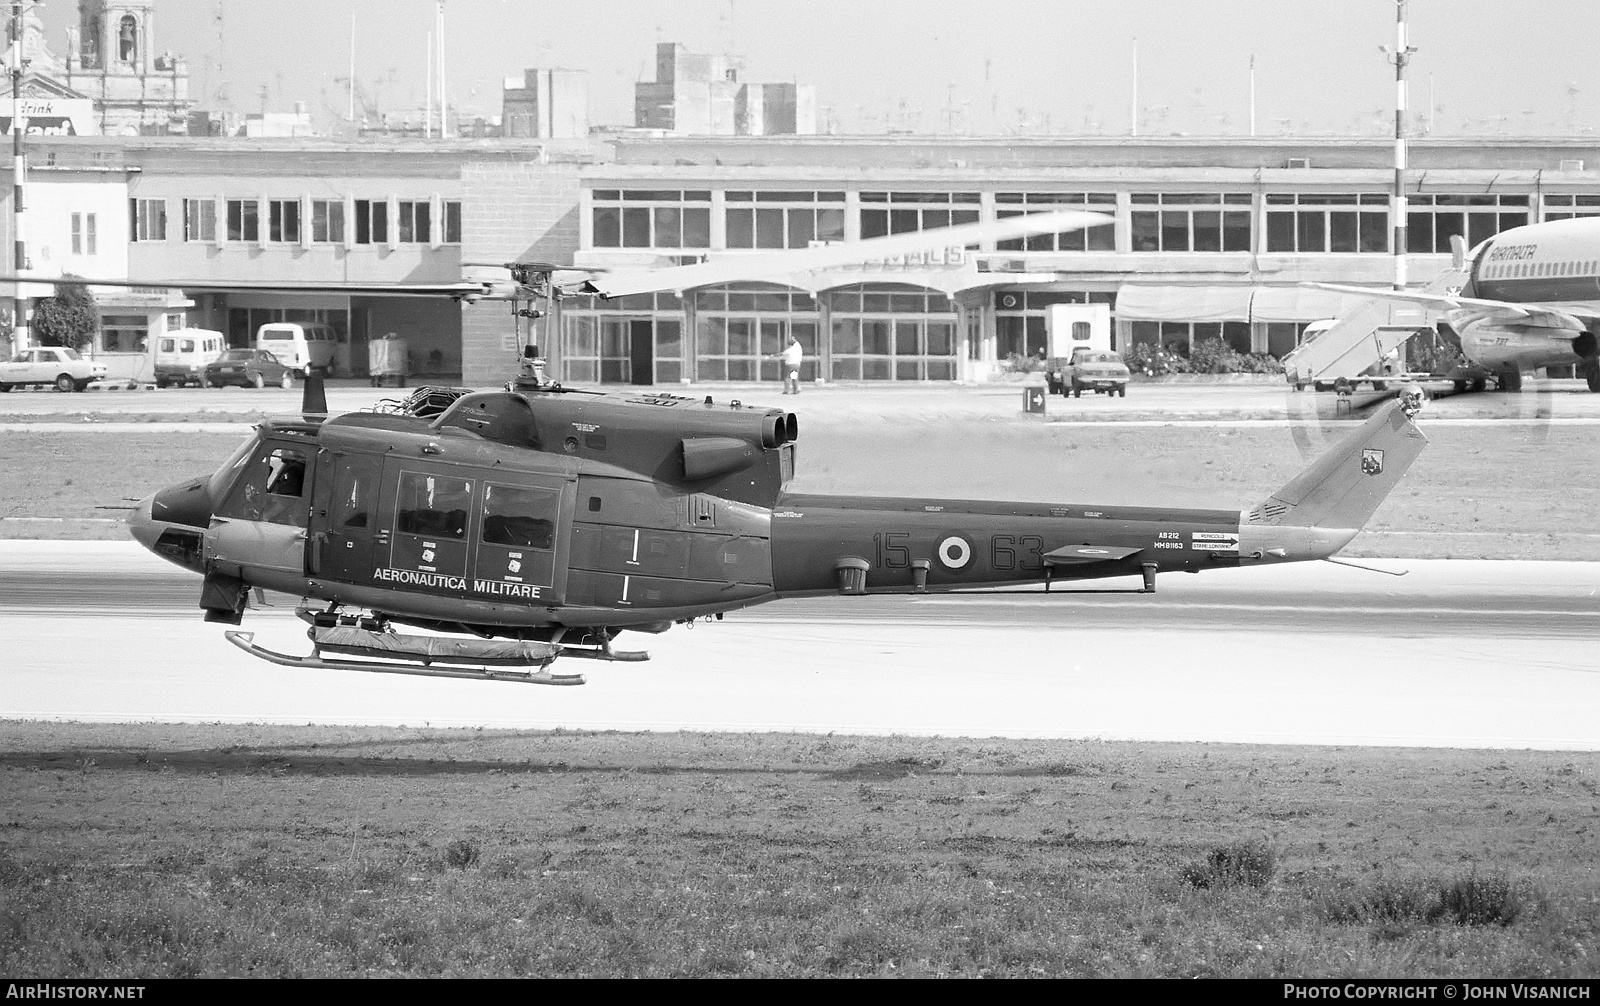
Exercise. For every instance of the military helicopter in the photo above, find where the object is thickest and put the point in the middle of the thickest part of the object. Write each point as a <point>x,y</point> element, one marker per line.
<point>533,522</point>
<point>518,525</point>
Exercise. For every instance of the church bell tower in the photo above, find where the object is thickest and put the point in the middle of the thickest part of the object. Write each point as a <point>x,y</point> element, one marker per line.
<point>135,88</point>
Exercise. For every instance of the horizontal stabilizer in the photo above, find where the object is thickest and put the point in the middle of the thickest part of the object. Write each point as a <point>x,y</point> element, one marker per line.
<point>1082,555</point>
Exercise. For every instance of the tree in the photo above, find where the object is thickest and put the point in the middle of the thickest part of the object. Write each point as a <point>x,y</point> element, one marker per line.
<point>67,319</point>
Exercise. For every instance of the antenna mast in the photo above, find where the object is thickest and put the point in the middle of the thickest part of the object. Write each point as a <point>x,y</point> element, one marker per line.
<point>351,115</point>
<point>1133,129</point>
<point>444,102</point>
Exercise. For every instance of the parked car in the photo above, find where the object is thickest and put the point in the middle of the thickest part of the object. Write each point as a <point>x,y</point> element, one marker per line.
<point>1097,369</point>
<point>305,345</point>
<point>54,365</point>
<point>248,368</point>
<point>182,355</point>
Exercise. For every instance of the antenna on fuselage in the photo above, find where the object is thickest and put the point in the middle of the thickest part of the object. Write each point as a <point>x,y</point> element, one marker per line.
<point>314,397</point>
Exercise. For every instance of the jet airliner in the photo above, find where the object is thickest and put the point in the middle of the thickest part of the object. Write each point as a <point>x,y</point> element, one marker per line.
<point>1532,299</point>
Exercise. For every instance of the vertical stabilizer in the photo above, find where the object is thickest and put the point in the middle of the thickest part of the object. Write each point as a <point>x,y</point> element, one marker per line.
<point>1343,488</point>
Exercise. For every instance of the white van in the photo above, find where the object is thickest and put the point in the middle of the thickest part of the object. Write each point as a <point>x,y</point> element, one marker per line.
<point>300,345</point>
<point>182,355</point>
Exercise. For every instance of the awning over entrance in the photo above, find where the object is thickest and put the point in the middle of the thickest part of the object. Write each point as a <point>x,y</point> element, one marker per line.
<point>1137,302</point>
<point>1183,303</point>
<point>1298,303</point>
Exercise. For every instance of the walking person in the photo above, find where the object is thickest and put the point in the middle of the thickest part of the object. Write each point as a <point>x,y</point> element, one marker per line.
<point>791,357</point>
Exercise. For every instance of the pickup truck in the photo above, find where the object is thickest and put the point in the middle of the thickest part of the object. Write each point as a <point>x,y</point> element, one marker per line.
<point>54,365</point>
<point>1097,369</point>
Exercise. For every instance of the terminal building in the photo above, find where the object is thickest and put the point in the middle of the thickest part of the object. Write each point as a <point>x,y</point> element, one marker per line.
<point>1210,238</point>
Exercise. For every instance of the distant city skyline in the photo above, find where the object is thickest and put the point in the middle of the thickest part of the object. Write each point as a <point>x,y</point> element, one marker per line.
<point>1031,67</point>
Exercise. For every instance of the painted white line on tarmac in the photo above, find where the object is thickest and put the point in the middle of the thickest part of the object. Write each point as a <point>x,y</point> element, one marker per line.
<point>240,428</point>
<point>244,426</point>
<point>968,600</point>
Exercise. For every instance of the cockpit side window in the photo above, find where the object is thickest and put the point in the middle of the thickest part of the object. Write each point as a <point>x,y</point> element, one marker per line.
<point>271,487</point>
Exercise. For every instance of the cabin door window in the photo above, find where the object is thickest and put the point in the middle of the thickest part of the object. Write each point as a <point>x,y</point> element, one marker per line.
<point>517,543</point>
<point>431,514</point>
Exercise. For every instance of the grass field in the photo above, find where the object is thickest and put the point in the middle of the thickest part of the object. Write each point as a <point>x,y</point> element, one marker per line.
<point>1462,499</point>
<point>174,851</point>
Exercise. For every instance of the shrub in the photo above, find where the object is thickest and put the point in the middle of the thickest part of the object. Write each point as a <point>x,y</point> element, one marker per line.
<point>1465,901</point>
<point>67,319</point>
<point>1481,901</point>
<point>461,853</point>
<point>1153,361</point>
<point>1431,354</point>
<point>1241,864</point>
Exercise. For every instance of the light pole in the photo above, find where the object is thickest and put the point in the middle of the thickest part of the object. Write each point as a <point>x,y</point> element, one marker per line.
<point>19,306</point>
<point>1398,208</point>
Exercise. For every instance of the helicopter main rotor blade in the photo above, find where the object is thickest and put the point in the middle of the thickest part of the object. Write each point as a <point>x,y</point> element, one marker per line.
<point>743,268</point>
<point>463,288</point>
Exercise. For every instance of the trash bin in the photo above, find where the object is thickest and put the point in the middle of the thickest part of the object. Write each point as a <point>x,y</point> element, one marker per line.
<point>388,361</point>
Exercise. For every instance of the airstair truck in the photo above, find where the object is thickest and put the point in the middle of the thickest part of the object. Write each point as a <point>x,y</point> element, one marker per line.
<point>1363,344</point>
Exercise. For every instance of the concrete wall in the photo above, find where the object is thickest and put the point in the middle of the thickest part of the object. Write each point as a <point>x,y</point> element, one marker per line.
<point>546,103</point>
<point>512,213</point>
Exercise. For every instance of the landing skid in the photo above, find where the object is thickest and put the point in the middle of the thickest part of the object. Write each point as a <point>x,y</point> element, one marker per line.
<point>540,676</point>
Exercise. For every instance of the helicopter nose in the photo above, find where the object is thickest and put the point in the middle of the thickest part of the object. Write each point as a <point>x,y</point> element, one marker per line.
<point>172,523</point>
<point>144,530</point>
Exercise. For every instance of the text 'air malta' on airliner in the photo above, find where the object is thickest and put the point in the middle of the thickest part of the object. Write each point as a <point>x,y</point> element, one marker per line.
<point>1532,299</point>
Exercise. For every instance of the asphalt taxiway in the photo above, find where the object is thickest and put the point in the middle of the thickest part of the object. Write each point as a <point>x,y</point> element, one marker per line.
<point>1453,653</point>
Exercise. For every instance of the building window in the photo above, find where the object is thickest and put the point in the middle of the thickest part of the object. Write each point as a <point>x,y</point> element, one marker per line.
<point>1307,223</point>
<point>452,222</point>
<point>1016,204</point>
<point>283,221</point>
<point>372,222</point>
<point>124,333</point>
<point>741,330</point>
<point>199,220</point>
<point>1019,317</point>
<point>652,218</point>
<point>83,233</point>
<point>1566,207</point>
<point>783,219</point>
<point>327,221</point>
<point>885,213</point>
<point>243,221</point>
<point>1194,221</point>
<point>607,341</point>
<point>128,39</point>
<point>148,219</point>
<point>892,334</point>
<point>414,223</point>
<point>175,320</point>
<point>1431,220</point>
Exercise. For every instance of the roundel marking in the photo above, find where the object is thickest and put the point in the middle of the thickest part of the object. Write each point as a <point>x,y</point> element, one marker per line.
<point>955,552</point>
